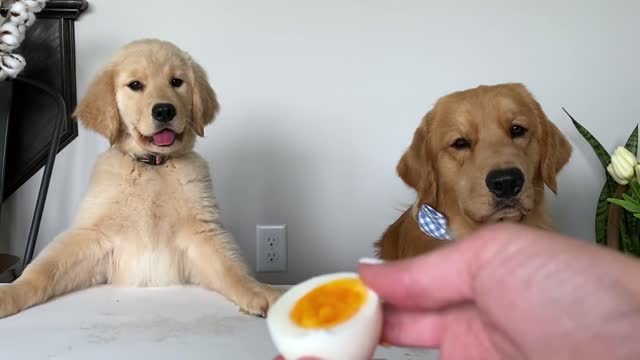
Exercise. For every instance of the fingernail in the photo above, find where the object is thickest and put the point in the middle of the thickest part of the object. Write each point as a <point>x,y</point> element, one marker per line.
<point>371,261</point>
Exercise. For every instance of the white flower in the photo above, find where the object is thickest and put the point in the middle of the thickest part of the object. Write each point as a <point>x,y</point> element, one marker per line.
<point>623,166</point>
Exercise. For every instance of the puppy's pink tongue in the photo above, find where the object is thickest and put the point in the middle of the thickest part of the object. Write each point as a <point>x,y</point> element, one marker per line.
<point>164,138</point>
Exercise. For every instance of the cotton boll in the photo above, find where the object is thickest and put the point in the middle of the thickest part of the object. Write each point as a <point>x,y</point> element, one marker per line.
<point>31,18</point>
<point>12,64</point>
<point>22,28</point>
<point>34,5</point>
<point>10,37</point>
<point>18,13</point>
<point>6,4</point>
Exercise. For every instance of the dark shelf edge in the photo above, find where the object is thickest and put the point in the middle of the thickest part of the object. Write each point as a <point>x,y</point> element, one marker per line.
<point>65,9</point>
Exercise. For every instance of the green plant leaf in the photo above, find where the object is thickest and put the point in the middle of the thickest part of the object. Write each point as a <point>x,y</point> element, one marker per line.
<point>602,212</point>
<point>627,205</point>
<point>602,209</point>
<point>632,142</point>
<point>635,189</point>
<point>634,235</point>
<point>630,199</point>
<point>629,240</point>
<point>632,222</point>
<point>600,151</point>
<point>625,245</point>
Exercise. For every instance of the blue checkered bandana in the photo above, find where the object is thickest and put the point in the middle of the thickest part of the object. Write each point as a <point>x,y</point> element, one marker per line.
<point>433,223</point>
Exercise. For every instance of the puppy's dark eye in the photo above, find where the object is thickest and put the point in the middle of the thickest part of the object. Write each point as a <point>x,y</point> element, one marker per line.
<point>175,82</point>
<point>518,131</point>
<point>460,144</point>
<point>135,85</point>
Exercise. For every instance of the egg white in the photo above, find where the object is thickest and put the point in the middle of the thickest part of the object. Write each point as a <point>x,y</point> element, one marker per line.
<point>354,339</point>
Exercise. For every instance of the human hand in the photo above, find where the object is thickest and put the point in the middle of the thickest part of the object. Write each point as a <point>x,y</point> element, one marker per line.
<point>512,292</point>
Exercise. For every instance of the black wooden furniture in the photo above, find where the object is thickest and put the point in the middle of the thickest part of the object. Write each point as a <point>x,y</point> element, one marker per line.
<point>35,113</point>
<point>8,263</point>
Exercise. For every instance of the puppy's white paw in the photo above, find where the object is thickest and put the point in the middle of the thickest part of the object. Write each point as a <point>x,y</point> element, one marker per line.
<point>258,302</point>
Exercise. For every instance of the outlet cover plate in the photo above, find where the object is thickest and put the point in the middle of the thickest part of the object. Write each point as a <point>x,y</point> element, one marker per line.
<point>271,241</point>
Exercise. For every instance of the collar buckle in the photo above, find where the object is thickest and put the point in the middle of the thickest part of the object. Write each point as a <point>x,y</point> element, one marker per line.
<point>152,159</point>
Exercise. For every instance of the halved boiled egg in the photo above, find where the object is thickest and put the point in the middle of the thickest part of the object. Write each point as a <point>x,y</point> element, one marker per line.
<point>332,317</point>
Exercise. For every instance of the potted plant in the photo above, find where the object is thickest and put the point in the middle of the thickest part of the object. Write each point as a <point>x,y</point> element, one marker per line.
<point>617,221</point>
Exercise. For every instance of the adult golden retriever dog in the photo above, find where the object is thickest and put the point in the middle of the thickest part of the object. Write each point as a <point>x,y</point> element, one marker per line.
<point>149,217</point>
<point>480,156</point>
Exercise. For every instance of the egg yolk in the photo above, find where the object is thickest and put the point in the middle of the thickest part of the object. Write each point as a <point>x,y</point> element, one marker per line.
<point>330,304</point>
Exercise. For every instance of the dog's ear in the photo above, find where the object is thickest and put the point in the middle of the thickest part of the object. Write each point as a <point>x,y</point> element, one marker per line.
<point>555,152</point>
<point>98,110</point>
<point>555,149</point>
<point>204,106</point>
<point>417,167</point>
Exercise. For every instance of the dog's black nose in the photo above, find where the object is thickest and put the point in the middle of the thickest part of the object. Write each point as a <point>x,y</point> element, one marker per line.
<point>163,112</point>
<point>505,183</point>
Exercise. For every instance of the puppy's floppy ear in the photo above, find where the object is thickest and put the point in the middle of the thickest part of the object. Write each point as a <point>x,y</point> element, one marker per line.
<point>417,167</point>
<point>555,149</point>
<point>204,104</point>
<point>98,110</point>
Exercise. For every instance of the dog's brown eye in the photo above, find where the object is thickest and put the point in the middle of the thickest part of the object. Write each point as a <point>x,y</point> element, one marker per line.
<point>135,85</point>
<point>175,82</point>
<point>518,131</point>
<point>460,144</point>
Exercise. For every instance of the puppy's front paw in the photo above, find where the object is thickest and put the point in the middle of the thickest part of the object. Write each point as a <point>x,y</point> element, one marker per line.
<point>8,301</point>
<point>260,300</point>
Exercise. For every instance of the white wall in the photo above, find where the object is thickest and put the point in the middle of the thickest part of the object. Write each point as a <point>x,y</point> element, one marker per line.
<point>320,99</point>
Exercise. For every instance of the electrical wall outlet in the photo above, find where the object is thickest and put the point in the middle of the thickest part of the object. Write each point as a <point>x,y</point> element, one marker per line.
<point>271,241</point>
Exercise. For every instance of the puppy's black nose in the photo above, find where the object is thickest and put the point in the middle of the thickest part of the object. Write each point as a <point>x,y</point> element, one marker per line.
<point>505,183</point>
<point>163,112</point>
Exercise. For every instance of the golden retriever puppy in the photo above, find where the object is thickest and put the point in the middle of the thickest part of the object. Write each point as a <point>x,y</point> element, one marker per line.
<point>480,156</point>
<point>149,217</point>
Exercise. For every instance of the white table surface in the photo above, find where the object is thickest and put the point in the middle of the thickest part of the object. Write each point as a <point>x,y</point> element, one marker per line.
<point>146,323</point>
